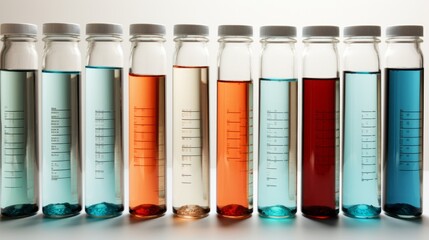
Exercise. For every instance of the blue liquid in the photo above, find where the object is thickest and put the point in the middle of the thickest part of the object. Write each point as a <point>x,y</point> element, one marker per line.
<point>361,164</point>
<point>103,142</point>
<point>403,145</point>
<point>18,142</point>
<point>277,148</point>
<point>61,170</point>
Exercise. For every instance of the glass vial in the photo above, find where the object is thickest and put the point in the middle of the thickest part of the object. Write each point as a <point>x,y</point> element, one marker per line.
<point>320,122</point>
<point>361,121</point>
<point>61,167</point>
<point>403,144</point>
<point>102,121</point>
<point>278,88</point>
<point>234,122</point>
<point>191,177</point>
<point>147,155</point>
<point>18,135</point>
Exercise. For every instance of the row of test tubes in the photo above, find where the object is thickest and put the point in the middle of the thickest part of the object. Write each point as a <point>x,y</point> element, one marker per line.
<point>79,121</point>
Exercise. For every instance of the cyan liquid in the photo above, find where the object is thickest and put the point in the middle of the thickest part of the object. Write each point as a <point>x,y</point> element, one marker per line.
<point>61,170</point>
<point>403,145</point>
<point>18,142</point>
<point>103,142</point>
<point>277,148</point>
<point>361,170</point>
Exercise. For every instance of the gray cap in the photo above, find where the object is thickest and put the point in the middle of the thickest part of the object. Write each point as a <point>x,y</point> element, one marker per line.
<point>321,31</point>
<point>191,29</point>
<point>61,28</point>
<point>235,30</point>
<point>405,31</point>
<point>362,31</point>
<point>18,28</point>
<point>147,29</point>
<point>277,31</point>
<point>103,29</point>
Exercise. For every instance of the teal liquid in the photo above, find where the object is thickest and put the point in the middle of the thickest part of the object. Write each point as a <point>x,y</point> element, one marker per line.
<point>18,143</point>
<point>361,155</point>
<point>61,170</point>
<point>277,148</point>
<point>403,161</point>
<point>103,142</point>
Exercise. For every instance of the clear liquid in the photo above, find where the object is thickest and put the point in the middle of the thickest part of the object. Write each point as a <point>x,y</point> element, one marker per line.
<point>61,170</point>
<point>361,155</point>
<point>191,195</point>
<point>277,148</point>
<point>103,142</point>
<point>19,164</point>
<point>403,161</point>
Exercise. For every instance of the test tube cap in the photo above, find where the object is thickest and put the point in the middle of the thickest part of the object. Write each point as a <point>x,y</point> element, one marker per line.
<point>191,29</point>
<point>235,30</point>
<point>103,29</point>
<point>362,31</point>
<point>405,31</point>
<point>321,31</point>
<point>147,29</point>
<point>277,31</point>
<point>18,28</point>
<point>61,28</point>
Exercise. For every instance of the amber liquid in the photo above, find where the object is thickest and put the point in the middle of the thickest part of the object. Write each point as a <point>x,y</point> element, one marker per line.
<point>234,165</point>
<point>147,145</point>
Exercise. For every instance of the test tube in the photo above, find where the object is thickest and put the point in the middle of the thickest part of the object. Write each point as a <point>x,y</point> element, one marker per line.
<point>191,192</point>
<point>403,135</point>
<point>361,121</point>
<point>61,168</point>
<point>18,135</point>
<point>102,121</point>
<point>147,121</point>
<point>234,122</point>
<point>320,123</point>
<point>278,88</point>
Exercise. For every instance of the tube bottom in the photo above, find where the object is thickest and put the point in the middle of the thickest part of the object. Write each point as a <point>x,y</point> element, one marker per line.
<point>319,212</point>
<point>61,210</point>
<point>148,211</point>
<point>104,210</point>
<point>234,211</point>
<point>191,211</point>
<point>402,210</point>
<point>361,211</point>
<point>20,210</point>
<point>277,211</point>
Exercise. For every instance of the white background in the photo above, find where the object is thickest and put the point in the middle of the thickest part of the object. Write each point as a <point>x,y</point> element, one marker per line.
<point>213,13</point>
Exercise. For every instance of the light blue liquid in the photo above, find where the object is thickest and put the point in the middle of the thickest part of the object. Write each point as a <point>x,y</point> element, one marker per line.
<point>18,143</point>
<point>361,164</point>
<point>403,144</point>
<point>103,142</point>
<point>277,148</point>
<point>61,169</point>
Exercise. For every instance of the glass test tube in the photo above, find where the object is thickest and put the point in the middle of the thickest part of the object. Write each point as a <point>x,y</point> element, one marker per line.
<point>18,135</point>
<point>234,122</point>
<point>403,145</point>
<point>147,121</point>
<point>102,121</point>
<point>320,123</point>
<point>361,118</point>
<point>277,123</point>
<point>191,177</point>
<point>61,168</point>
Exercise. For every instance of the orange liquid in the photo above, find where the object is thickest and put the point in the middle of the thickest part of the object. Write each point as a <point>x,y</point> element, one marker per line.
<point>147,145</point>
<point>233,138</point>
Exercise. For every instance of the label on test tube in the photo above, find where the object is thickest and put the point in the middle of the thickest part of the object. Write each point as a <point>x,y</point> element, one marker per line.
<point>57,130</point>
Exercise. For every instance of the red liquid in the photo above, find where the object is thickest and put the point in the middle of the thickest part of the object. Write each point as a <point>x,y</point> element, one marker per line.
<point>319,148</point>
